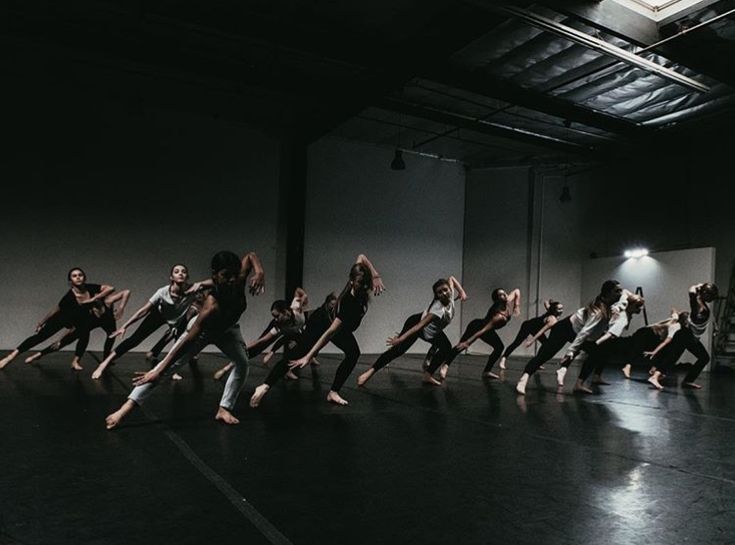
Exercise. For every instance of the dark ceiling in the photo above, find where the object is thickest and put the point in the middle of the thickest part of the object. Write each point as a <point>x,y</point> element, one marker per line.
<point>481,82</point>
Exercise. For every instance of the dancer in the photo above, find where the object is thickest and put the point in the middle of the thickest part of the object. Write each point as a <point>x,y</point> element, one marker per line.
<point>651,341</point>
<point>535,328</point>
<point>586,324</point>
<point>103,315</point>
<point>504,307</point>
<point>336,325</point>
<point>167,306</point>
<point>287,322</point>
<point>73,309</point>
<point>610,342</point>
<point>688,338</point>
<point>217,324</point>
<point>428,326</point>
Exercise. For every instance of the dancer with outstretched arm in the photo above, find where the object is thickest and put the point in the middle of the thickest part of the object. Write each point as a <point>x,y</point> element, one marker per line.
<point>535,328</point>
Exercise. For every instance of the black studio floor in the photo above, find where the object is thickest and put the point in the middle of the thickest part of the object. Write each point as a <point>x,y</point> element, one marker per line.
<point>469,462</point>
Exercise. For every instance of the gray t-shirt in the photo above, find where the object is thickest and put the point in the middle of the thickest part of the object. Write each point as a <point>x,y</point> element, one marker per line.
<point>442,317</point>
<point>171,309</point>
<point>293,328</point>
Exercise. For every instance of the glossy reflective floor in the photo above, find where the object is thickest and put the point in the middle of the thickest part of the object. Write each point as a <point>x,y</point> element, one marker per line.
<point>469,462</point>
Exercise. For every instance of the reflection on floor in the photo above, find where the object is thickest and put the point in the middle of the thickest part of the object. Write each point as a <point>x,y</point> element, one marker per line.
<point>469,462</point>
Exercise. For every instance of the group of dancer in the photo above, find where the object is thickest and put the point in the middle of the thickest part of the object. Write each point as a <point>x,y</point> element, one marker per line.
<point>206,312</point>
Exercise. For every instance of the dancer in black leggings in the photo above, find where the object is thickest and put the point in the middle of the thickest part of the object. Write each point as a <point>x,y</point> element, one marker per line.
<point>73,307</point>
<point>428,326</point>
<point>689,337</point>
<point>505,305</point>
<point>168,306</point>
<point>288,321</point>
<point>649,343</point>
<point>610,343</point>
<point>101,315</point>
<point>535,328</point>
<point>586,324</point>
<point>323,327</point>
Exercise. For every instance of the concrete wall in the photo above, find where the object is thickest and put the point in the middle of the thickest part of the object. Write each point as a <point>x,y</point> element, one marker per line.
<point>409,223</point>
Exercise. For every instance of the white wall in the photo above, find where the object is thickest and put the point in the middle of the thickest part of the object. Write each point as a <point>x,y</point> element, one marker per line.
<point>664,276</point>
<point>409,223</point>
<point>125,195</point>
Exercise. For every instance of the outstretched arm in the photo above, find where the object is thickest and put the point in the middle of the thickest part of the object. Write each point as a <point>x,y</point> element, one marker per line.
<point>140,313</point>
<point>548,324</point>
<point>53,312</point>
<point>454,284</point>
<point>378,286</point>
<point>208,312</point>
<point>493,323</point>
<point>105,290</point>
<point>321,343</point>
<point>201,284</point>
<point>121,297</point>
<point>426,320</point>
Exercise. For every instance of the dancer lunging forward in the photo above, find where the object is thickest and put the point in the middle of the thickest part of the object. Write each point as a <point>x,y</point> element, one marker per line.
<point>337,327</point>
<point>586,324</point>
<point>217,324</point>
<point>650,342</point>
<point>167,306</point>
<point>535,328</point>
<point>72,310</point>
<point>504,307</point>
<point>428,326</point>
<point>689,337</point>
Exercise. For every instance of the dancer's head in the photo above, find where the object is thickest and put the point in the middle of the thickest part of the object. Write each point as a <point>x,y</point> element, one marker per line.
<point>330,301</point>
<point>179,274</point>
<point>635,303</point>
<point>555,308</point>
<point>281,312</point>
<point>361,279</point>
<point>708,292</point>
<point>610,292</point>
<point>499,296</point>
<point>225,267</point>
<point>442,291</point>
<point>683,318</point>
<point>76,276</point>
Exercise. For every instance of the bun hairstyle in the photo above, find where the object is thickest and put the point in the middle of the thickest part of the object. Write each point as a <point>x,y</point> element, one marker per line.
<point>555,308</point>
<point>709,291</point>
<point>635,302</point>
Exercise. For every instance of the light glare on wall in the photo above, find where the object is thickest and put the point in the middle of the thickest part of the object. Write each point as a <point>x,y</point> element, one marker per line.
<point>636,253</point>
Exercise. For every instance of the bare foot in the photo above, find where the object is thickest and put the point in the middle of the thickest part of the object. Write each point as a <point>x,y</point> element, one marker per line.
<point>626,370</point>
<point>176,376</point>
<point>502,363</point>
<point>97,373</point>
<point>560,374</point>
<point>691,385</point>
<point>363,378</point>
<point>223,415</point>
<point>428,379</point>
<point>258,395</point>
<point>7,359</point>
<point>581,388</point>
<point>654,381</point>
<point>490,374</point>
<point>76,364</point>
<point>521,386</point>
<point>334,397</point>
<point>220,373</point>
<point>35,357</point>
<point>290,375</point>
<point>443,371</point>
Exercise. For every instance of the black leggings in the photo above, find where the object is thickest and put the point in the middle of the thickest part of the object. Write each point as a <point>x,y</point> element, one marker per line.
<point>81,332</point>
<point>51,327</point>
<point>150,323</point>
<point>559,335</point>
<point>440,345</point>
<point>528,329</point>
<point>490,337</point>
<point>345,341</point>
<point>685,340</point>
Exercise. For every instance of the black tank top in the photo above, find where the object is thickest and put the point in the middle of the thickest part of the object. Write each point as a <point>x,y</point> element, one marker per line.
<point>232,303</point>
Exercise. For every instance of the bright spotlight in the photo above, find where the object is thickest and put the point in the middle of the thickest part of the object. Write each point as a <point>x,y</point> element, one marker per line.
<point>636,253</point>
